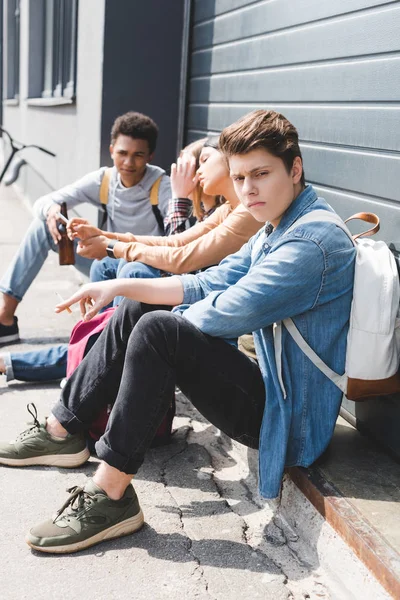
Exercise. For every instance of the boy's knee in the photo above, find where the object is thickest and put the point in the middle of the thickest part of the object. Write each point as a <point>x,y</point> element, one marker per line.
<point>128,313</point>
<point>98,270</point>
<point>158,325</point>
<point>40,231</point>
<point>135,270</point>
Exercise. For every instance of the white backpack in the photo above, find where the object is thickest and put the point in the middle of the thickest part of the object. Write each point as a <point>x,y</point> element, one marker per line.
<point>373,341</point>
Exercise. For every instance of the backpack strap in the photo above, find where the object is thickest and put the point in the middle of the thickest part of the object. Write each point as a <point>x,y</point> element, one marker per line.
<point>105,186</point>
<point>154,192</point>
<point>339,380</point>
<point>368,218</point>
<point>103,194</point>
<point>331,217</point>
<point>320,216</point>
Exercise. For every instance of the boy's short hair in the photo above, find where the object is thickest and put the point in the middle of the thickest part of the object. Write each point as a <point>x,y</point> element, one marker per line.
<point>265,129</point>
<point>137,126</point>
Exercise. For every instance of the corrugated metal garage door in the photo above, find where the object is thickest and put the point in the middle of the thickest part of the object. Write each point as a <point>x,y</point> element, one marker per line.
<point>331,67</point>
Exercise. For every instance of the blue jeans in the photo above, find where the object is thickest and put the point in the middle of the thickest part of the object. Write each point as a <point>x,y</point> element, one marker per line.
<point>37,365</point>
<point>29,259</point>
<point>51,363</point>
<point>111,268</point>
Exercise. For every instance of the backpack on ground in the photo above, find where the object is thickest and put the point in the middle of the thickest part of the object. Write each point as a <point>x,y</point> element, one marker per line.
<point>105,186</point>
<point>373,341</point>
<point>83,337</point>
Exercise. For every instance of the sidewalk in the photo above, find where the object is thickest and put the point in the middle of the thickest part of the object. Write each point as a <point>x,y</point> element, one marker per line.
<point>207,534</point>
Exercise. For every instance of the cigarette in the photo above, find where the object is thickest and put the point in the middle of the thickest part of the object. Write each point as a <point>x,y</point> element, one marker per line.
<point>60,216</point>
<point>67,308</point>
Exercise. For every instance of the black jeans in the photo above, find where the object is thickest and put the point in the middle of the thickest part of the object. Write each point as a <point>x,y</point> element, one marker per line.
<point>138,359</point>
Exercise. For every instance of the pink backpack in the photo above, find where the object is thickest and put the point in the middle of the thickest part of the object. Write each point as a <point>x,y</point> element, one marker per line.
<point>83,336</point>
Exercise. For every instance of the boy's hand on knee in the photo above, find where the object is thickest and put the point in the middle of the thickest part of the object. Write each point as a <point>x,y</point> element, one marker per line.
<point>94,247</point>
<point>52,222</point>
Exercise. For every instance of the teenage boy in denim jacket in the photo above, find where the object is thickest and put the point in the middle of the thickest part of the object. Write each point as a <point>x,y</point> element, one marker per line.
<point>283,405</point>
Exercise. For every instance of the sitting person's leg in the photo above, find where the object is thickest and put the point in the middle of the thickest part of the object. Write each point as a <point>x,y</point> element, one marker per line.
<point>162,349</point>
<point>136,363</point>
<point>22,271</point>
<point>134,270</point>
<point>111,268</point>
<point>35,365</point>
<point>105,369</point>
<point>104,269</point>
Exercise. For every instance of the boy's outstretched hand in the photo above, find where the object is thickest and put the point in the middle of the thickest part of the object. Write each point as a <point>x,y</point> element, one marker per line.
<point>92,297</point>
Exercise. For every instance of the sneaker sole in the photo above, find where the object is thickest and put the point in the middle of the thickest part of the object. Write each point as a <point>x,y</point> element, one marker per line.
<point>5,339</point>
<point>51,460</point>
<point>119,530</point>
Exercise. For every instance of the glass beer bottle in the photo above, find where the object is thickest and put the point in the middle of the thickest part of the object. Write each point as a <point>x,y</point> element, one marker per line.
<point>66,252</point>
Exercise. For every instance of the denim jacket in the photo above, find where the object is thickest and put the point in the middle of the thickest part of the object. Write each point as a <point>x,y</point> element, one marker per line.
<point>307,275</point>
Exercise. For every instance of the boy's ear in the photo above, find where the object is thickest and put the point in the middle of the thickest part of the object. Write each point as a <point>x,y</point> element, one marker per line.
<point>111,150</point>
<point>151,156</point>
<point>297,169</point>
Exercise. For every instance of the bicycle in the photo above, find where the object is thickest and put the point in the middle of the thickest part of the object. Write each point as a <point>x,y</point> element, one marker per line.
<point>15,148</point>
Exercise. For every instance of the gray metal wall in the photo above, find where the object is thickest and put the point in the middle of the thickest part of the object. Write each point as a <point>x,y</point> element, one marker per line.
<point>142,66</point>
<point>331,67</point>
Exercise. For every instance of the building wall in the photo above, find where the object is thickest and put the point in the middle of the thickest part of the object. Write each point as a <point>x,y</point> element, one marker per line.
<point>129,63</point>
<point>333,68</point>
<point>71,131</point>
<point>1,62</point>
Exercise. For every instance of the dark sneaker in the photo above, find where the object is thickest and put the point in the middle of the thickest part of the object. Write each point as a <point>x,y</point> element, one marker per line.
<point>88,517</point>
<point>9,333</point>
<point>35,446</point>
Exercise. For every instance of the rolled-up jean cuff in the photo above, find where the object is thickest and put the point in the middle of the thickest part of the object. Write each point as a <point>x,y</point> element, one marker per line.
<point>9,367</point>
<point>130,465</point>
<point>10,293</point>
<point>67,419</point>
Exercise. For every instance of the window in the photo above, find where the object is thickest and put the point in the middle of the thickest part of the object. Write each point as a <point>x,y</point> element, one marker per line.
<point>59,48</point>
<point>11,55</point>
<point>52,49</point>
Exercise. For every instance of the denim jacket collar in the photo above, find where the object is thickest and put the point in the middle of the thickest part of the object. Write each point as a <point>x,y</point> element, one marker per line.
<point>303,201</point>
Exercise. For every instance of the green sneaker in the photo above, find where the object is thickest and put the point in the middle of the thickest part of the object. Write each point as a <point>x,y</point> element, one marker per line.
<point>35,446</point>
<point>88,517</point>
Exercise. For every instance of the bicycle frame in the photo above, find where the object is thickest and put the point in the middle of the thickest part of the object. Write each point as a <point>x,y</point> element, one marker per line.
<point>18,147</point>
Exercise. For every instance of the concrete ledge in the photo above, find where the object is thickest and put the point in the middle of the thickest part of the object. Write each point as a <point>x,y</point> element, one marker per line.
<point>355,490</point>
<point>356,487</point>
<point>373,550</point>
